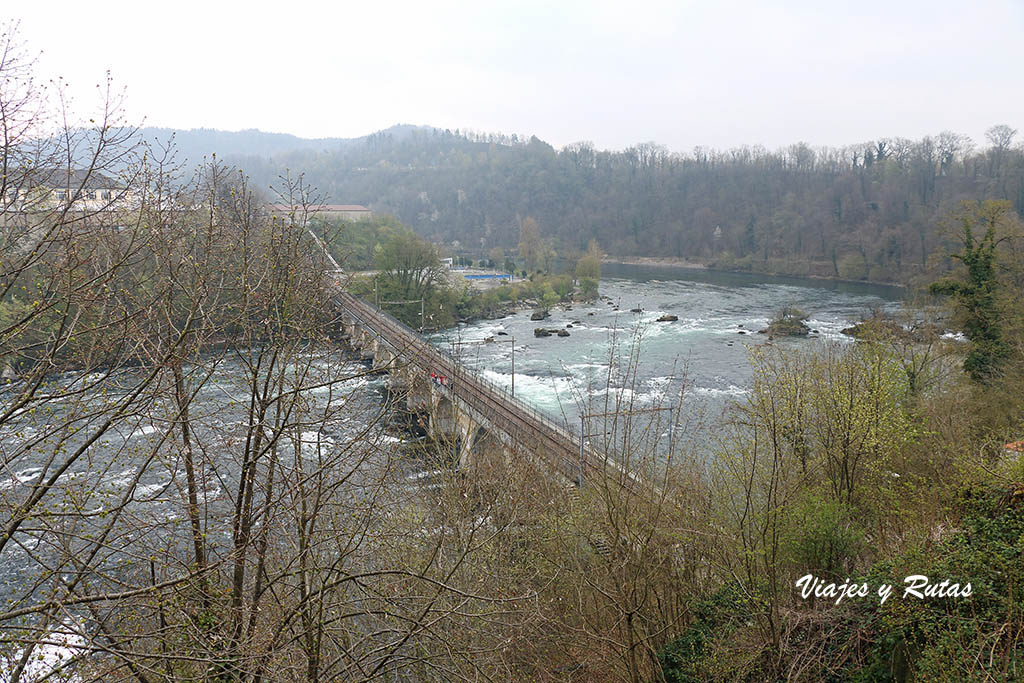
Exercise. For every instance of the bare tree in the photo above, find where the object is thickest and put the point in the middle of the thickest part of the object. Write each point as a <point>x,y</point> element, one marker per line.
<point>1001,136</point>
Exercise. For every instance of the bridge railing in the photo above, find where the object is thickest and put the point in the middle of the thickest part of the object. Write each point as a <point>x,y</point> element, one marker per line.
<point>412,343</point>
<point>497,391</point>
<point>558,435</point>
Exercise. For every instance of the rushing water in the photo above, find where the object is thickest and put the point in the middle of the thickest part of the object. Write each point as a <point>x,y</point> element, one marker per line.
<point>135,467</point>
<point>565,376</point>
<point>555,374</point>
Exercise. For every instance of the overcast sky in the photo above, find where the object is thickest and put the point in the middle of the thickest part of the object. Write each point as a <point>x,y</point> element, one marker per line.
<point>682,73</point>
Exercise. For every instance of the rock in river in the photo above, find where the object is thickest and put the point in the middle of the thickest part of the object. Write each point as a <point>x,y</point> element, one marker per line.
<point>547,332</point>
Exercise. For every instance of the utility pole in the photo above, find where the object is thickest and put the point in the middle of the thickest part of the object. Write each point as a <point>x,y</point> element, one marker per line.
<point>584,434</point>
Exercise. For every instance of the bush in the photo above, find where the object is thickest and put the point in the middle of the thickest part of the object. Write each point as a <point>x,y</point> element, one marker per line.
<point>851,267</point>
<point>975,638</point>
<point>550,297</point>
<point>821,534</point>
<point>789,322</point>
<point>562,284</point>
<point>689,658</point>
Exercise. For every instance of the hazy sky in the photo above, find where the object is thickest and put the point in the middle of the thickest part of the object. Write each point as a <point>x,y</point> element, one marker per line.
<point>682,73</point>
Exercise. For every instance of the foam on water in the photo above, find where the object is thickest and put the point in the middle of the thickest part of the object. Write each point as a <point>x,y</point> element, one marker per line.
<point>22,477</point>
<point>118,481</point>
<point>144,431</point>
<point>703,343</point>
<point>342,387</point>
<point>56,649</point>
<point>587,369</point>
<point>18,413</point>
<point>732,391</point>
<point>623,397</point>
<point>312,440</point>
<point>150,492</point>
<point>548,392</point>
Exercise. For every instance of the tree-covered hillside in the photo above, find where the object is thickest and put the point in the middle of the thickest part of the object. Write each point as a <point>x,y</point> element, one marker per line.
<point>191,146</point>
<point>868,210</point>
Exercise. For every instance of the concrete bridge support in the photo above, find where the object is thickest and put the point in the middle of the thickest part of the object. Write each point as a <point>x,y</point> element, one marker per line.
<point>418,390</point>
<point>384,359</point>
<point>362,341</point>
<point>448,422</point>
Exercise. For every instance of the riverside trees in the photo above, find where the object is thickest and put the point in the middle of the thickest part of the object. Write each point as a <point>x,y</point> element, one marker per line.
<point>869,210</point>
<point>193,489</point>
<point>588,269</point>
<point>980,305</point>
<point>189,486</point>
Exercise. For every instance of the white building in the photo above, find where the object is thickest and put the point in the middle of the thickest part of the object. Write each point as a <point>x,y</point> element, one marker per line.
<point>80,189</point>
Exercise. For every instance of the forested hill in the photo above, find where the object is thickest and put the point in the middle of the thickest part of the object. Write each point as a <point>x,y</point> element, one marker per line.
<point>871,210</point>
<point>193,145</point>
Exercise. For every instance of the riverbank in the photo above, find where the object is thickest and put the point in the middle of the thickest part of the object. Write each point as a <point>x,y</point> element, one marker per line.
<point>670,262</point>
<point>654,261</point>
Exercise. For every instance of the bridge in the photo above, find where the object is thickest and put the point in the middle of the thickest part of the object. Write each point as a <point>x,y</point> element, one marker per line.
<point>462,405</point>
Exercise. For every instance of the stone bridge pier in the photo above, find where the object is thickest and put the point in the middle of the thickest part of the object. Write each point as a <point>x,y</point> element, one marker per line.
<point>447,421</point>
<point>361,339</point>
<point>455,426</point>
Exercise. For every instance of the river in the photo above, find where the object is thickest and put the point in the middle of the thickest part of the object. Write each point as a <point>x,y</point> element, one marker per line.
<point>708,347</point>
<point>134,467</point>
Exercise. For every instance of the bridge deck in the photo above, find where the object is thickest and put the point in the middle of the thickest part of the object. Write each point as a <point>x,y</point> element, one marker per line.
<point>504,412</point>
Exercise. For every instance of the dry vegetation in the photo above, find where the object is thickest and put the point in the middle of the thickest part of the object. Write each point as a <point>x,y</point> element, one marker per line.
<point>192,488</point>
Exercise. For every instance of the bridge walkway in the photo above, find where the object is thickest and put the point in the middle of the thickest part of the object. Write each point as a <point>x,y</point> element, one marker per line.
<point>523,423</point>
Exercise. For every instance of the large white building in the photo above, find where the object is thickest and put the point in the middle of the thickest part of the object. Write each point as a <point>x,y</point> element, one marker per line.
<point>79,189</point>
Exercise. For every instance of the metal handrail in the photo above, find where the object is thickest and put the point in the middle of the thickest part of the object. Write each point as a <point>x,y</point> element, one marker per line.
<point>472,387</point>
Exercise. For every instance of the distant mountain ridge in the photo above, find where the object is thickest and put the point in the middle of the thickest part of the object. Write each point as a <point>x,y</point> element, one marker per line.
<point>195,144</point>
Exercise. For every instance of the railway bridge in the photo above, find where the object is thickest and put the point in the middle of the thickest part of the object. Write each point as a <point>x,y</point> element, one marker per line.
<point>462,405</point>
